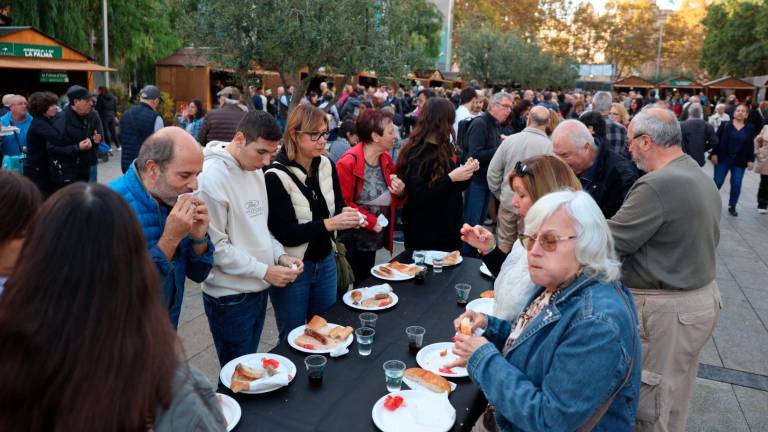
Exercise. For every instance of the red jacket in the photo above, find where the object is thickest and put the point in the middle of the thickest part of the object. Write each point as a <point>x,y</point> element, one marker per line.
<point>351,171</point>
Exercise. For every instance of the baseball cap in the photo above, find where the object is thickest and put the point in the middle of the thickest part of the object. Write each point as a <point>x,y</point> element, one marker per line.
<point>229,92</point>
<point>78,92</point>
<point>150,92</point>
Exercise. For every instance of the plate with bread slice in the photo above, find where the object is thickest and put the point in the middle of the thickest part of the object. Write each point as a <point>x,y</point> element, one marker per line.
<point>395,271</point>
<point>449,258</point>
<point>373,298</point>
<point>422,379</point>
<point>231,410</point>
<point>482,305</point>
<point>434,357</point>
<point>413,411</point>
<point>257,373</point>
<point>319,336</point>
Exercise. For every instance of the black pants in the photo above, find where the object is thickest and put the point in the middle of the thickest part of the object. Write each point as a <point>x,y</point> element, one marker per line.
<point>110,135</point>
<point>762,193</point>
<point>361,262</point>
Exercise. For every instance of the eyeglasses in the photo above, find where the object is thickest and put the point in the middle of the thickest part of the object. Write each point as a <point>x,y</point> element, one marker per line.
<point>315,136</point>
<point>547,240</point>
<point>522,169</point>
<point>507,107</point>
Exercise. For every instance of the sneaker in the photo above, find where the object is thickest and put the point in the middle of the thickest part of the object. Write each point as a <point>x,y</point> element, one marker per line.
<point>732,211</point>
<point>762,211</point>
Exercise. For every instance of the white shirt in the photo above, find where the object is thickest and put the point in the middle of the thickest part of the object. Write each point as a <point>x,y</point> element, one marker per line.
<point>461,113</point>
<point>717,119</point>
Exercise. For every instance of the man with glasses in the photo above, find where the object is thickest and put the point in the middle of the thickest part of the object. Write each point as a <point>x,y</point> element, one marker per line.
<point>604,174</point>
<point>531,141</point>
<point>483,138</point>
<point>666,234</point>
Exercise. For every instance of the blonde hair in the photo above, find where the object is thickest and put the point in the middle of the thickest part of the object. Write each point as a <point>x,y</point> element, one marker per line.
<point>623,114</point>
<point>548,173</point>
<point>554,120</point>
<point>304,118</point>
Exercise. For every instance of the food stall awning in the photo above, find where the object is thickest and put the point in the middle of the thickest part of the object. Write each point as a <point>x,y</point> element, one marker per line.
<point>64,65</point>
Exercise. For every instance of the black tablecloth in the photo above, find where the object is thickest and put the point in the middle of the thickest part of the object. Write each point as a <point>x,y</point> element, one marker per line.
<point>352,384</point>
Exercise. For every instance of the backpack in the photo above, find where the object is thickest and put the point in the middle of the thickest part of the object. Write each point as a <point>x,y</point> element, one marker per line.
<point>462,138</point>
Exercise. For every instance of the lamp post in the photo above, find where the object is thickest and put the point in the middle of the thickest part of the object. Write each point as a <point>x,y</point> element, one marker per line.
<point>662,18</point>
<point>106,41</point>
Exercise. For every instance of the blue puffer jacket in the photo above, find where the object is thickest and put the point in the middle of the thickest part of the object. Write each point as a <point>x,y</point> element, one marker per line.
<point>565,364</point>
<point>152,218</point>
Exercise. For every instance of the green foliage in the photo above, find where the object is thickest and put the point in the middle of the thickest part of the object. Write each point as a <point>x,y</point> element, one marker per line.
<point>506,59</point>
<point>291,36</point>
<point>736,41</point>
<point>167,109</point>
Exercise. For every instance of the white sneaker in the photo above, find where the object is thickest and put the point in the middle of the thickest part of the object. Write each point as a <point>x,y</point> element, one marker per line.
<point>762,211</point>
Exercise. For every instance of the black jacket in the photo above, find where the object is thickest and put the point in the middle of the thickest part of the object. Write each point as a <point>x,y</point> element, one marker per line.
<point>698,138</point>
<point>36,164</point>
<point>483,138</point>
<point>433,213</point>
<point>68,163</point>
<point>136,125</point>
<point>106,105</point>
<point>744,154</point>
<point>282,219</point>
<point>613,178</point>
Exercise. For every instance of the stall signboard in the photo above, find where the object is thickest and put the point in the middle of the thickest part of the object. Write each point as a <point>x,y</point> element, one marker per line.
<point>53,77</point>
<point>29,50</point>
<point>680,82</point>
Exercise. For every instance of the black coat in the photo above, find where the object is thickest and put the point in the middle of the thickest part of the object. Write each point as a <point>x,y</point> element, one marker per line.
<point>36,164</point>
<point>745,153</point>
<point>106,106</point>
<point>68,163</point>
<point>483,138</point>
<point>698,138</point>
<point>613,178</point>
<point>433,212</point>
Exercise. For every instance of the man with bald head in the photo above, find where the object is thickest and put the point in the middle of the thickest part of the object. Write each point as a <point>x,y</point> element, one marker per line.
<point>159,186</point>
<point>531,141</point>
<point>666,234</point>
<point>604,174</point>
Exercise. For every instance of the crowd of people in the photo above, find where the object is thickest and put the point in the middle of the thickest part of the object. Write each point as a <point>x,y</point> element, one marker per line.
<point>605,286</point>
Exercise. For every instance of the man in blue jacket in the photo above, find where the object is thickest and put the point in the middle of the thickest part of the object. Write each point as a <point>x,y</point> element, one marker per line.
<point>158,185</point>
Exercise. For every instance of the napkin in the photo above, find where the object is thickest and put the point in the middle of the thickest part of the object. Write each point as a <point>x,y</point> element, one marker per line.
<point>340,350</point>
<point>382,221</point>
<point>372,291</point>
<point>279,379</point>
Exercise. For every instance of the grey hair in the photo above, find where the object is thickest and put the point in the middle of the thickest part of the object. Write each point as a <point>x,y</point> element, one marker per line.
<point>158,148</point>
<point>229,101</point>
<point>719,105</point>
<point>659,124</point>
<point>694,111</point>
<point>594,243</point>
<point>575,132</point>
<point>498,97</point>
<point>601,102</point>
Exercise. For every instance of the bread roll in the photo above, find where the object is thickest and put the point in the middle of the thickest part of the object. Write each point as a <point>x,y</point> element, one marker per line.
<point>237,385</point>
<point>317,323</point>
<point>247,373</point>
<point>430,380</point>
<point>466,326</point>
<point>341,333</point>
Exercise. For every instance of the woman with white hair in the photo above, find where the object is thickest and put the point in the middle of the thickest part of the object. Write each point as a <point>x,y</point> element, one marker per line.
<point>571,361</point>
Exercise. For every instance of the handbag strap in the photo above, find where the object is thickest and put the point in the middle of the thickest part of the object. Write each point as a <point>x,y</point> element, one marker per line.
<point>598,415</point>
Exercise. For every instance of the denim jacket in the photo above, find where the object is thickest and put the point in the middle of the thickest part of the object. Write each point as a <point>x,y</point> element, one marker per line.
<point>565,364</point>
<point>152,216</point>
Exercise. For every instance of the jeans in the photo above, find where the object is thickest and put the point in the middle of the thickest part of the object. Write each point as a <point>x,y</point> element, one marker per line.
<point>236,322</point>
<point>737,174</point>
<point>312,293</point>
<point>475,209</point>
<point>281,122</point>
<point>762,193</point>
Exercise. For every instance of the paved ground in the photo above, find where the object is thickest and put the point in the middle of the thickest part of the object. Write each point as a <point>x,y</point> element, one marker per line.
<point>732,389</point>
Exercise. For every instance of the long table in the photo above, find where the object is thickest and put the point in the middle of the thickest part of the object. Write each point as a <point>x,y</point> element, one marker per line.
<point>352,383</point>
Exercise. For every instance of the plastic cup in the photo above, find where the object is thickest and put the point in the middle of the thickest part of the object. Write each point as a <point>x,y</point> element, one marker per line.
<point>437,265</point>
<point>364,337</point>
<point>393,374</point>
<point>315,364</point>
<point>462,293</point>
<point>418,258</point>
<point>415,338</point>
<point>368,319</point>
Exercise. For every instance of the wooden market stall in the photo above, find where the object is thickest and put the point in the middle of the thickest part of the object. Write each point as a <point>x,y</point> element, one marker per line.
<point>681,84</point>
<point>726,86</point>
<point>32,61</point>
<point>633,83</point>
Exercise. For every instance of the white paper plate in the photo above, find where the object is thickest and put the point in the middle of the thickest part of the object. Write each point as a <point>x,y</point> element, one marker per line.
<point>430,255</point>
<point>482,305</point>
<point>254,361</point>
<point>416,386</point>
<point>231,410</point>
<point>347,299</point>
<point>298,331</point>
<point>484,270</point>
<point>422,412</point>
<point>429,358</point>
<point>396,277</point>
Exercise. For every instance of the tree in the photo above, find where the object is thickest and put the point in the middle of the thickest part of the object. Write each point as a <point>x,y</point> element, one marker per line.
<point>736,41</point>
<point>683,38</point>
<point>630,34</point>
<point>342,36</point>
